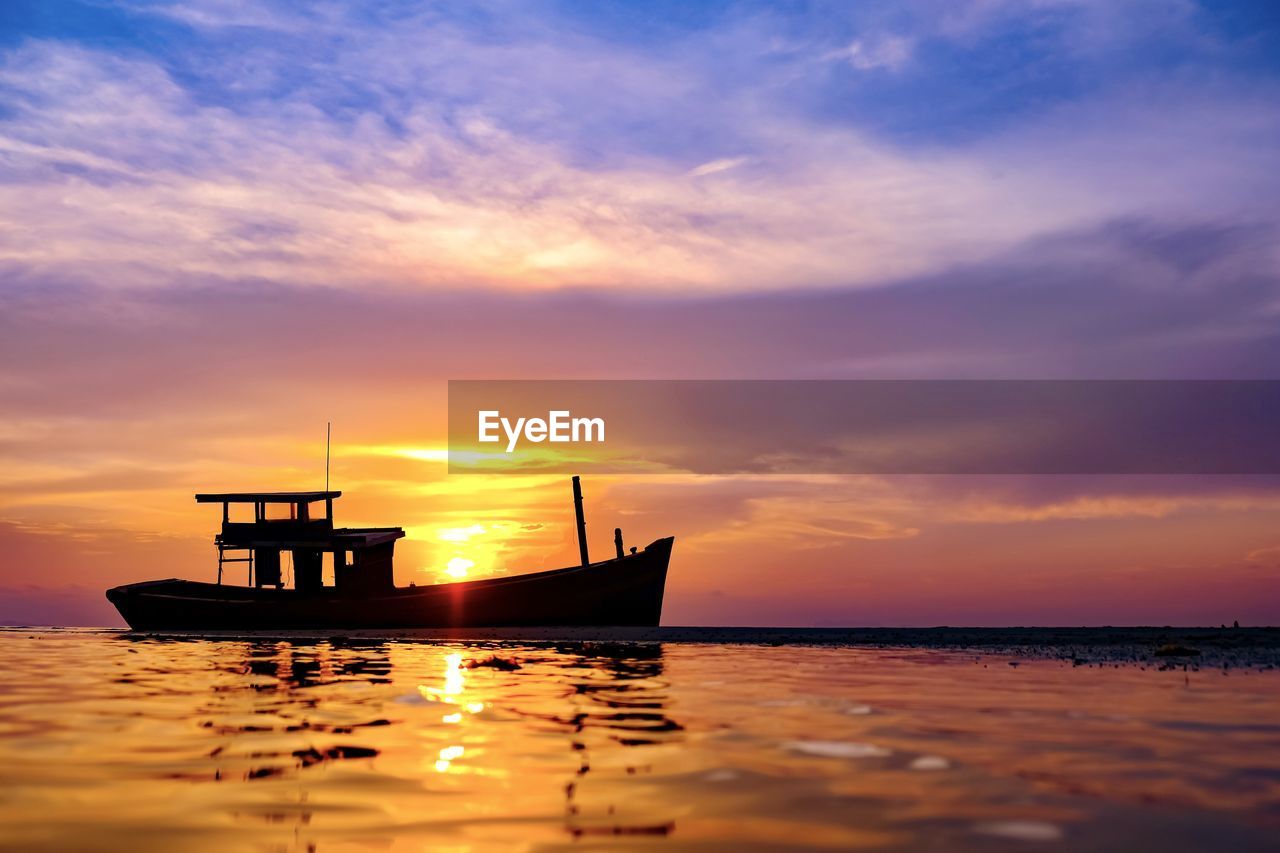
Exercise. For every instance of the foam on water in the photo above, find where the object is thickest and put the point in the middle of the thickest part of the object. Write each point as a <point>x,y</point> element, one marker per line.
<point>837,749</point>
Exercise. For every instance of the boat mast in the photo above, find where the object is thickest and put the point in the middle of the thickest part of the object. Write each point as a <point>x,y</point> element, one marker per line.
<point>582,524</point>
<point>328,430</point>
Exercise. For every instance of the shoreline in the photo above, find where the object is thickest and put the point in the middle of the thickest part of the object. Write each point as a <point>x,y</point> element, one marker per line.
<point>1160,647</point>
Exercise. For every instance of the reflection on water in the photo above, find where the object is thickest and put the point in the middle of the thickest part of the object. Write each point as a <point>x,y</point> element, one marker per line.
<point>109,742</point>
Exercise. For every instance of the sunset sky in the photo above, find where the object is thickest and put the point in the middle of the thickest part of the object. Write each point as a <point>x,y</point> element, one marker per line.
<point>224,223</point>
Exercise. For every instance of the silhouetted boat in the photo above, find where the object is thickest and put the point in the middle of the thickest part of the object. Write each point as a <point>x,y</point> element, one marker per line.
<point>624,590</point>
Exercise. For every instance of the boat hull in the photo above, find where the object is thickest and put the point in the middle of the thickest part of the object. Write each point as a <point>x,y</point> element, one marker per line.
<point>623,591</point>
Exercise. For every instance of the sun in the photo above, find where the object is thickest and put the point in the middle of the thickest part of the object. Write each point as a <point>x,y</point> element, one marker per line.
<point>458,566</point>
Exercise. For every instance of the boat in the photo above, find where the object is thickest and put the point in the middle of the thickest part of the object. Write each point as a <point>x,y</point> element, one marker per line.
<point>626,589</point>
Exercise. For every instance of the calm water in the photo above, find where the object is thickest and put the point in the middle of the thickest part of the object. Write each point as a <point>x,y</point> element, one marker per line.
<point>113,743</point>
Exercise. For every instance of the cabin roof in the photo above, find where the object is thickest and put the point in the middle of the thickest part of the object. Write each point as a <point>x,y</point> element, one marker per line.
<point>266,497</point>
<point>340,539</point>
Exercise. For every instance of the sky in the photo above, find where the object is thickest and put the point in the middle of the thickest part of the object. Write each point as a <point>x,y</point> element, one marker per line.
<point>225,223</point>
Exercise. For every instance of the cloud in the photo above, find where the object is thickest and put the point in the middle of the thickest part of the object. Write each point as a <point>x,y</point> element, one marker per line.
<point>1264,556</point>
<point>114,396</point>
<point>1133,299</point>
<point>220,14</point>
<point>1109,506</point>
<point>711,167</point>
<point>415,150</point>
<point>889,52</point>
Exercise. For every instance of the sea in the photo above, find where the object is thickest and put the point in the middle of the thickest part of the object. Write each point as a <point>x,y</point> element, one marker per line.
<point>117,741</point>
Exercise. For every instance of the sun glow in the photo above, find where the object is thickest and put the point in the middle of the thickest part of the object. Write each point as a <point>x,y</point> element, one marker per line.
<point>421,454</point>
<point>459,534</point>
<point>458,567</point>
<point>471,550</point>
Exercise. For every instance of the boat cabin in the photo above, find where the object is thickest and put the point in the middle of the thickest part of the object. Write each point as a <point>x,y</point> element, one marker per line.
<point>301,523</point>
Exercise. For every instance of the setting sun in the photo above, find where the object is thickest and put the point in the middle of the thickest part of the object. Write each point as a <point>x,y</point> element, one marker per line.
<point>458,566</point>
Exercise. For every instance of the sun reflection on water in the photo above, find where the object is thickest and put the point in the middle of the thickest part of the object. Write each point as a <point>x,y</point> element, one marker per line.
<point>110,743</point>
<point>447,756</point>
<point>454,680</point>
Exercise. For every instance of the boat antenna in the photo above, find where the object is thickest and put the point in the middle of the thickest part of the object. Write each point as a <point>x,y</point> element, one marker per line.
<point>328,431</point>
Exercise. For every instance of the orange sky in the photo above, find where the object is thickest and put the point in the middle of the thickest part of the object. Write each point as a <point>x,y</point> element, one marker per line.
<point>793,550</point>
